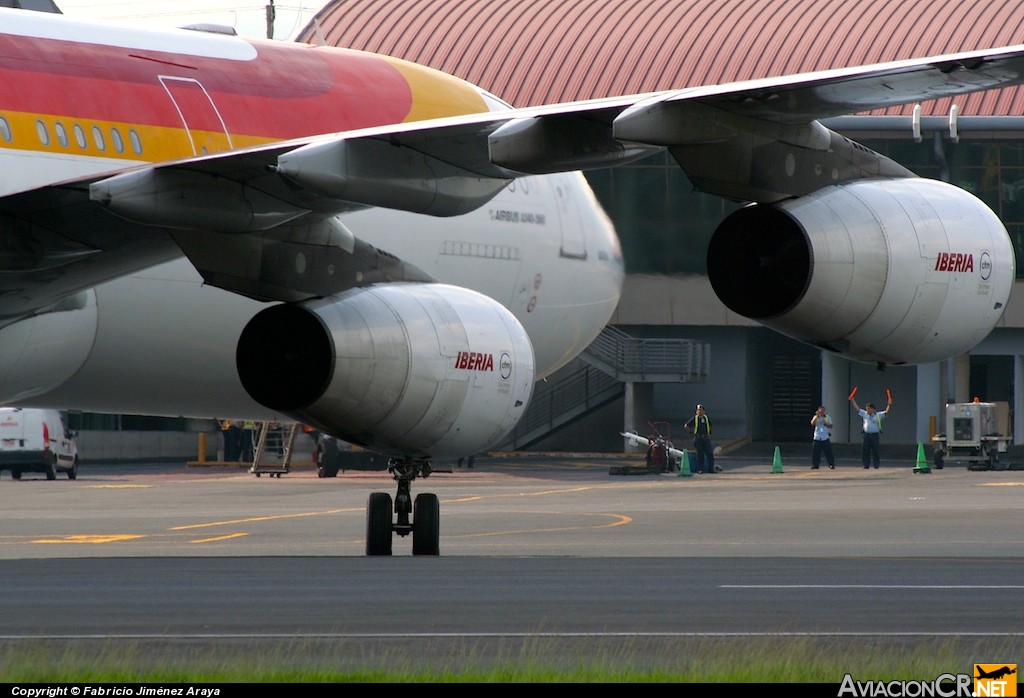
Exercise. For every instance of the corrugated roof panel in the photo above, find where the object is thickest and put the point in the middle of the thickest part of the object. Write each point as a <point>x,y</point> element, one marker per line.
<point>537,51</point>
<point>573,22</point>
<point>612,43</point>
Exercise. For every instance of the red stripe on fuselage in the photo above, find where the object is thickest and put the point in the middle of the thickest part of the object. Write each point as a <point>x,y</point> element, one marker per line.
<point>287,91</point>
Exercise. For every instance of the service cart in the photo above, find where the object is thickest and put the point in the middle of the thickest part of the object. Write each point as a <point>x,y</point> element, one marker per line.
<point>972,437</point>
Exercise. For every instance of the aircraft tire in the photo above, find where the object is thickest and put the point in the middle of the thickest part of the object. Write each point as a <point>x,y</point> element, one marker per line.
<point>426,525</point>
<point>323,468</point>
<point>378,524</point>
<point>324,471</point>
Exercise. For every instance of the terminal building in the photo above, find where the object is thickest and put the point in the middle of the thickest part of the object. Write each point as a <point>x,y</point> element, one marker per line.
<point>672,343</point>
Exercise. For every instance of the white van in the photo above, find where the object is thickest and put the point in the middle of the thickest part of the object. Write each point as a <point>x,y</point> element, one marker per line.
<point>36,441</point>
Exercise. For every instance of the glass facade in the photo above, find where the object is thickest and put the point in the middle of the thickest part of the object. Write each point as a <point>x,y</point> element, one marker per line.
<point>664,225</point>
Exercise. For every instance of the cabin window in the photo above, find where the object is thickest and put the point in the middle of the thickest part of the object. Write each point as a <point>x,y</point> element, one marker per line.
<point>117,140</point>
<point>80,136</point>
<point>133,138</point>
<point>5,130</point>
<point>98,139</point>
<point>44,133</point>
<point>62,134</point>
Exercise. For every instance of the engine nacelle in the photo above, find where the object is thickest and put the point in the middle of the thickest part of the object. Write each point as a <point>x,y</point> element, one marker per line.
<point>40,352</point>
<point>418,370</point>
<point>901,271</point>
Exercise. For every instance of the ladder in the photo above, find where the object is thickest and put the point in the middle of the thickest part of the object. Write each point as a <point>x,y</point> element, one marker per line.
<point>273,452</point>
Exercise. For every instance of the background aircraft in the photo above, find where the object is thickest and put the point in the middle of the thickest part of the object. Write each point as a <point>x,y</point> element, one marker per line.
<point>426,253</point>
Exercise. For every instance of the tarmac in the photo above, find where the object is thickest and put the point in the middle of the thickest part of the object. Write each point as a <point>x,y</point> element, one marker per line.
<point>736,452</point>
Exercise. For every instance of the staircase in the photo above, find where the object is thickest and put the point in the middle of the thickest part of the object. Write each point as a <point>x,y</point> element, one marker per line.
<point>641,360</point>
<point>613,359</point>
<point>273,452</point>
<point>556,404</point>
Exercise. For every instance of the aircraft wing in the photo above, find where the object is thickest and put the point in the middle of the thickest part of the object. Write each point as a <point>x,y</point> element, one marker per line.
<point>729,139</point>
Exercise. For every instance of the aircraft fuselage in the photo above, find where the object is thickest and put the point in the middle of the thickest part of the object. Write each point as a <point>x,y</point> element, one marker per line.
<point>79,99</point>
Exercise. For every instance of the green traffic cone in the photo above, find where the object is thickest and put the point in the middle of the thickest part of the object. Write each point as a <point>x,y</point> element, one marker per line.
<point>922,462</point>
<point>684,465</point>
<point>777,461</point>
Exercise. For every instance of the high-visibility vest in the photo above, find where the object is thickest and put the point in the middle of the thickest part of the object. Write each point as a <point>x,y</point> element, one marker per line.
<point>696,423</point>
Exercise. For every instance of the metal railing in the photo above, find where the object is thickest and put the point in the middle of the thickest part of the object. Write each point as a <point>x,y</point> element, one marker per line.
<point>556,404</point>
<point>632,359</point>
<point>615,359</point>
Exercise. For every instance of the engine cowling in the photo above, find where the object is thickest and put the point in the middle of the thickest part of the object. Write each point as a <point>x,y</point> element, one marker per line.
<point>40,352</point>
<point>417,370</point>
<point>901,271</point>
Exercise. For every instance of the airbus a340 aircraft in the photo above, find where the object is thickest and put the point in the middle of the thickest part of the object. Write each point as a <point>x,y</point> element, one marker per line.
<point>196,224</point>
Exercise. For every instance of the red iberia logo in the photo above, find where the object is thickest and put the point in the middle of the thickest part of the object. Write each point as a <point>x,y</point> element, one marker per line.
<point>954,261</point>
<point>474,361</point>
<point>995,680</point>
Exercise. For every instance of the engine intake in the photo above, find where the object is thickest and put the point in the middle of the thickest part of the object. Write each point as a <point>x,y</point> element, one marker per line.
<point>419,370</point>
<point>901,271</point>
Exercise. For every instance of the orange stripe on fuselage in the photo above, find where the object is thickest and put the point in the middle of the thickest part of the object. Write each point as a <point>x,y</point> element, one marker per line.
<point>435,94</point>
<point>111,139</point>
<point>180,104</point>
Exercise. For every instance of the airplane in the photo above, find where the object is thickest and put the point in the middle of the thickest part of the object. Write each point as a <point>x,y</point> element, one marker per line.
<point>995,674</point>
<point>196,224</point>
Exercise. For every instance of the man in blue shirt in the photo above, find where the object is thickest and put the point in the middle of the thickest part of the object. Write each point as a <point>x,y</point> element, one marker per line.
<point>872,431</point>
<point>822,424</point>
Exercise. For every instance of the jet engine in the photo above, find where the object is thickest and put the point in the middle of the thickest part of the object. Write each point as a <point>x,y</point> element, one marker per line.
<point>40,352</point>
<point>900,271</point>
<point>416,370</point>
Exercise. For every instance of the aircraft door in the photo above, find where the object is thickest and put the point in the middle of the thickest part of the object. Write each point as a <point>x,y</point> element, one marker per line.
<point>566,191</point>
<point>199,115</point>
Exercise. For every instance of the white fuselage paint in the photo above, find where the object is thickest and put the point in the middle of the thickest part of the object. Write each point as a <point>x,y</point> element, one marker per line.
<point>165,343</point>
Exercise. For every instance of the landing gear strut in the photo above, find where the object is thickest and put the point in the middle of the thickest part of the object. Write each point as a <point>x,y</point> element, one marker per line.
<point>426,513</point>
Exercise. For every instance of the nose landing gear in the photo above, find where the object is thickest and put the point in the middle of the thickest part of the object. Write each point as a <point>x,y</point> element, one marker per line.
<point>425,510</point>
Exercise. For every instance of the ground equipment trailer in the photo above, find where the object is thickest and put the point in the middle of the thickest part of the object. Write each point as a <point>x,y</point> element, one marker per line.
<point>972,437</point>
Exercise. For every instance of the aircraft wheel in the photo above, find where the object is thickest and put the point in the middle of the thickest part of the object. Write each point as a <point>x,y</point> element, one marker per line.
<point>426,525</point>
<point>323,468</point>
<point>378,524</point>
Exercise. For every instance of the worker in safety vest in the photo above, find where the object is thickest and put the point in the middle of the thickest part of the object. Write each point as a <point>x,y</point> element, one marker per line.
<point>700,426</point>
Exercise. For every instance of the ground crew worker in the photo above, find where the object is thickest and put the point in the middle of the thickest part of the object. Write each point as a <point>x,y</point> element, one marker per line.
<point>872,431</point>
<point>700,426</point>
<point>822,436</point>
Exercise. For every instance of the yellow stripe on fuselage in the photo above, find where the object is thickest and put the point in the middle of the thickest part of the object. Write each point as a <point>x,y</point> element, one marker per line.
<point>435,94</point>
<point>42,133</point>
